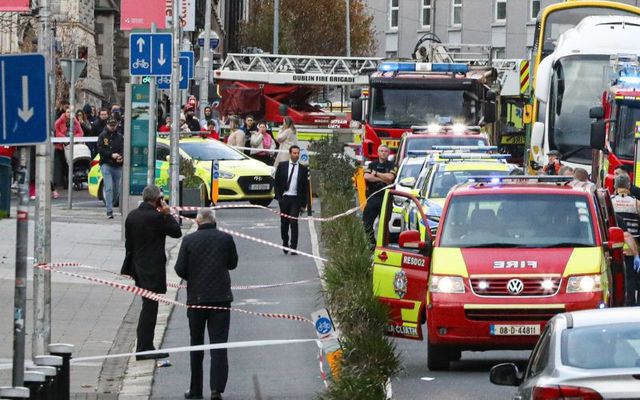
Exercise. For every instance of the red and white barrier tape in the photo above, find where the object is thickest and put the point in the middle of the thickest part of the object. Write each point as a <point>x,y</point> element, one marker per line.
<point>231,206</point>
<point>162,299</point>
<point>180,286</point>
<point>323,373</point>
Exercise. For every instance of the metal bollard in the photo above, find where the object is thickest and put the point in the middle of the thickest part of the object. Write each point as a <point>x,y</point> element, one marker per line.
<point>49,380</point>
<point>35,382</point>
<point>8,392</point>
<point>52,361</point>
<point>64,378</point>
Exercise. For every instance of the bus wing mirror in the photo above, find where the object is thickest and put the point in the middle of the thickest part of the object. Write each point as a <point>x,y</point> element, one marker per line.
<point>356,110</point>
<point>596,112</point>
<point>598,135</point>
<point>543,79</point>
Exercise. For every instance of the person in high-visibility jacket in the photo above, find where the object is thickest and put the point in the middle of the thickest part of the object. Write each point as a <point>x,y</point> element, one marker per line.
<point>379,174</point>
<point>627,209</point>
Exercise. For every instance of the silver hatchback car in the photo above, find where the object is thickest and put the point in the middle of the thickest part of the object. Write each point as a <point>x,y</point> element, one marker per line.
<point>582,355</point>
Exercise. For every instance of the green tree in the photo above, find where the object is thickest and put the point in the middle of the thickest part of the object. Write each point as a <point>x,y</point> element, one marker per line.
<point>310,27</point>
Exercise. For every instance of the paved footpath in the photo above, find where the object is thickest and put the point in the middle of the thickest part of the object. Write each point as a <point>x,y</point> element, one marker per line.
<point>96,319</point>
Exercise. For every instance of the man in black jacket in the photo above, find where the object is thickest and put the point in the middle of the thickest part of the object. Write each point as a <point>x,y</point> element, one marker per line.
<point>146,229</point>
<point>292,190</point>
<point>110,146</point>
<point>204,261</point>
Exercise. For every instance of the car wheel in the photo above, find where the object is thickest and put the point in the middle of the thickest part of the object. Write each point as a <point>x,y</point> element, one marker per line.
<point>438,357</point>
<point>261,202</point>
<point>205,201</point>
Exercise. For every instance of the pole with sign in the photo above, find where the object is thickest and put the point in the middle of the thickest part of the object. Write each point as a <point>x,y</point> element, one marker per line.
<point>153,107</point>
<point>215,175</point>
<point>174,164</point>
<point>24,120</point>
<point>304,160</point>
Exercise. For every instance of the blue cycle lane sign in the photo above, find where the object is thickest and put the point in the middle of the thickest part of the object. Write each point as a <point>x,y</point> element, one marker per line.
<point>150,54</point>
<point>23,101</point>
<point>164,82</point>
<point>192,63</point>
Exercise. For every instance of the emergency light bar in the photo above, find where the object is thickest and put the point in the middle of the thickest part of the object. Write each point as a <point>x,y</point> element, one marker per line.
<point>520,178</point>
<point>423,67</point>
<point>465,148</point>
<point>474,156</point>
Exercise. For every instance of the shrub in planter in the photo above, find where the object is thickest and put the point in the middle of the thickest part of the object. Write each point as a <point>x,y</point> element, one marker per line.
<point>191,184</point>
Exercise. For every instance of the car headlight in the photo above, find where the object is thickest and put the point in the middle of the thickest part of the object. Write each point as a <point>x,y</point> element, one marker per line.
<point>584,284</point>
<point>272,171</point>
<point>446,284</point>
<point>226,175</point>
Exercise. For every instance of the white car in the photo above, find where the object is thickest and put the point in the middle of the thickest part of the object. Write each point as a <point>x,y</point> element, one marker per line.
<point>590,355</point>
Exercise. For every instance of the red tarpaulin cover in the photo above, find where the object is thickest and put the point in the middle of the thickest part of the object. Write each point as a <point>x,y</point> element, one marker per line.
<point>240,101</point>
<point>14,5</point>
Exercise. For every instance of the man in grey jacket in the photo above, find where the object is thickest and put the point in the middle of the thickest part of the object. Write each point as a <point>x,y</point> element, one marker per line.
<point>204,261</point>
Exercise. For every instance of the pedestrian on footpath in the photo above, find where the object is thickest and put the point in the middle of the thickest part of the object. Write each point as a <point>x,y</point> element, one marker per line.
<point>379,174</point>
<point>146,230</point>
<point>61,166</point>
<point>287,137</point>
<point>205,259</point>
<point>291,191</point>
<point>110,146</point>
<point>237,136</point>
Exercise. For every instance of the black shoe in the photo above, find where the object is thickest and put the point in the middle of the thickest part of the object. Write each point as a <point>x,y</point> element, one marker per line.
<point>152,356</point>
<point>109,215</point>
<point>189,395</point>
<point>285,251</point>
<point>215,395</point>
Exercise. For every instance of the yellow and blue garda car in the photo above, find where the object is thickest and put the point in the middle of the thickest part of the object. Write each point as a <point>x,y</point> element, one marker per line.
<point>241,177</point>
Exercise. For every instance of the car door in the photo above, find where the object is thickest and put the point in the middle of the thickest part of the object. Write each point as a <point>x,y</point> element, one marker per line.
<point>539,364</point>
<point>401,268</point>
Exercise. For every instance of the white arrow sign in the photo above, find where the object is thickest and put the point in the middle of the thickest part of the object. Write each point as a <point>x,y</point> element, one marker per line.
<point>25,113</point>
<point>140,44</point>
<point>161,59</point>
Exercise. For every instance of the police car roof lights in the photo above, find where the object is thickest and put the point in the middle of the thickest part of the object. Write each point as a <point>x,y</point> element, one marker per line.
<point>474,156</point>
<point>521,178</point>
<point>403,66</point>
<point>465,148</point>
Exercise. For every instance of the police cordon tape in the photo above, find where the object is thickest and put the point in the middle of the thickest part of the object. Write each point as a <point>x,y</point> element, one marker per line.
<point>180,286</point>
<point>162,299</point>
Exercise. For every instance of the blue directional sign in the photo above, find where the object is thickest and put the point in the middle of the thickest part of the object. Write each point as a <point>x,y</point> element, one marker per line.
<point>164,82</point>
<point>213,42</point>
<point>192,62</point>
<point>23,99</point>
<point>184,71</point>
<point>150,54</point>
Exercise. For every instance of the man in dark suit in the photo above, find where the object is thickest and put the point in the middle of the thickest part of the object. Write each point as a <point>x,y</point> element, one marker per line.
<point>292,190</point>
<point>146,229</point>
<point>204,261</point>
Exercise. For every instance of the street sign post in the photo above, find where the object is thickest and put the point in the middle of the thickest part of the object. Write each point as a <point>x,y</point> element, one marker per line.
<point>150,54</point>
<point>192,63</point>
<point>24,109</point>
<point>138,170</point>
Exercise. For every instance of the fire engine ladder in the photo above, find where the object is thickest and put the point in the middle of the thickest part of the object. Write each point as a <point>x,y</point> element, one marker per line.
<point>471,54</point>
<point>297,69</point>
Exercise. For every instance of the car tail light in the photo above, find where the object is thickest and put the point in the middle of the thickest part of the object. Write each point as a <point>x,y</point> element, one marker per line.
<point>564,393</point>
<point>94,163</point>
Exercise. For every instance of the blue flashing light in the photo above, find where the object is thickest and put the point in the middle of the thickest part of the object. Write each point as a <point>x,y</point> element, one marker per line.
<point>453,67</point>
<point>394,66</point>
<point>397,67</point>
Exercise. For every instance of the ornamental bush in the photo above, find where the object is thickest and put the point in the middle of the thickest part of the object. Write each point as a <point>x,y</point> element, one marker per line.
<point>369,357</point>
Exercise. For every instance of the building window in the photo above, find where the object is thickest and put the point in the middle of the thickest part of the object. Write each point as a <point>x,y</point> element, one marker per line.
<point>456,12</point>
<point>534,8</point>
<point>394,8</point>
<point>498,53</point>
<point>500,14</point>
<point>426,13</point>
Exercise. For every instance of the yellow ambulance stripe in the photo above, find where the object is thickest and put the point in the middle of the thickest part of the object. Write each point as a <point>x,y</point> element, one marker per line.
<point>448,261</point>
<point>584,260</point>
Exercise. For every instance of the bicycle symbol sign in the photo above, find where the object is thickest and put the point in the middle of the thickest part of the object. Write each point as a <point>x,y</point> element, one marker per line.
<point>323,325</point>
<point>150,54</point>
<point>140,63</point>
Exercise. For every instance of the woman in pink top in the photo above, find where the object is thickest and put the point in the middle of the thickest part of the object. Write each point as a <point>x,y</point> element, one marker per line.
<point>62,130</point>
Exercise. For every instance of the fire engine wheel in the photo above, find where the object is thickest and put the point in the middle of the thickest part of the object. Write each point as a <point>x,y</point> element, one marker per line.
<point>438,357</point>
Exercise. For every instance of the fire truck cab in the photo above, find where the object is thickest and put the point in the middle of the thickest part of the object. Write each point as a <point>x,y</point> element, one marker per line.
<point>438,95</point>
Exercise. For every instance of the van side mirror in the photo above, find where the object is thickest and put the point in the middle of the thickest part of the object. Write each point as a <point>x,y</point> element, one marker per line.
<point>506,374</point>
<point>411,240</point>
<point>598,135</point>
<point>596,112</point>
<point>616,238</point>
<point>356,110</point>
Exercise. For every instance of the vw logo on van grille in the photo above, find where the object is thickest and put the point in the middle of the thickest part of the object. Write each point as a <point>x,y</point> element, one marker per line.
<point>515,286</point>
<point>257,178</point>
